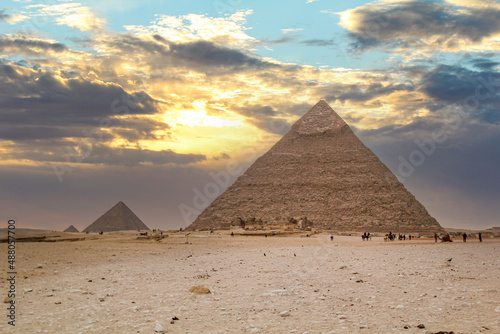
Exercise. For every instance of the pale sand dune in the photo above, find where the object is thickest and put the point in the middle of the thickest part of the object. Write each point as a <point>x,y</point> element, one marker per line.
<point>121,285</point>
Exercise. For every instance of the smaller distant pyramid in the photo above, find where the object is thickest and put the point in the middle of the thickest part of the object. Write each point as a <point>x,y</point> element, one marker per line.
<point>71,228</point>
<point>118,218</point>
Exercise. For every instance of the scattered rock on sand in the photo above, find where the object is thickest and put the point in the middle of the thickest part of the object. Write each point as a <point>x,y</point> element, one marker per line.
<point>200,290</point>
<point>7,300</point>
<point>159,328</point>
<point>285,314</point>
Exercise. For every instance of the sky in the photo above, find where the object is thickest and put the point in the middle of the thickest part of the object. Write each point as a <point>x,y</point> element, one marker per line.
<point>163,104</point>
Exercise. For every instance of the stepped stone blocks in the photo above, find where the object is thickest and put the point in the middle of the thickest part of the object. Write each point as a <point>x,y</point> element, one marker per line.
<point>322,171</point>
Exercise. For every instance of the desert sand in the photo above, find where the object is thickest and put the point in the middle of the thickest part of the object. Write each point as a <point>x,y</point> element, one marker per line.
<point>296,284</point>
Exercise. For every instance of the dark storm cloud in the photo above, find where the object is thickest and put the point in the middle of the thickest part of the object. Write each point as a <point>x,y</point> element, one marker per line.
<point>204,52</point>
<point>459,162</point>
<point>484,64</point>
<point>478,91</point>
<point>130,157</point>
<point>360,92</point>
<point>450,83</point>
<point>137,128</point>
<point>222,156</point>
<point>264,117</point>
<point>4,17</point>
<point>198,55</point>
<point>415,22</point>
<point>29,46</point>
<point>89,152</point>
<point>490,115</point>
<point>253,111</point>
<point>40,105</point>
<point>33,132</point>
<point>421,125</point>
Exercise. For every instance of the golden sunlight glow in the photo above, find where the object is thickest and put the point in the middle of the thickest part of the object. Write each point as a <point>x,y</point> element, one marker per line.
<point>201,119</point>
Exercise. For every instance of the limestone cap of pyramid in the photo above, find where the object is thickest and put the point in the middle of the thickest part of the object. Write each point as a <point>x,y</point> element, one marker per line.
<point>319,119</point>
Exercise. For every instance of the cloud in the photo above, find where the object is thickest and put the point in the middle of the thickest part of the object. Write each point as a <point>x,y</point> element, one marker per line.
<point>264,117</point>
<point>156,52</point>
<point>131,157</point>
<point>44,115</point>
<point>289,30</point>
<point>282,40</point>
<point>362,92</point>
<point>319,42</point>
<point>3,16</point>
<point>187,87</point>
<point>12,19</point>
<point>30,46</point>
<point>477,4</point>
<point>45,97</point>
<point>426,25</point>
<point>477,91</point>
<point>89,151</point>
<point>228,31</point>
<point>204,52</point>
<point>73,15</point>
<point>483,62</point>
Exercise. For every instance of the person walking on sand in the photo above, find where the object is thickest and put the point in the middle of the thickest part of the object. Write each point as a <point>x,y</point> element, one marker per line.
<point>435,237</point>
<point>465,237</point>
<point>480,238</point>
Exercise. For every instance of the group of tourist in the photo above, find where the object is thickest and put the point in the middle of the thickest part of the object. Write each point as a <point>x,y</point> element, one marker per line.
<point>447,237</point>
<point>390,236</point>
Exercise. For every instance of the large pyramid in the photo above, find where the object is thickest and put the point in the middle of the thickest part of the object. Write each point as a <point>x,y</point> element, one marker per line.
<point>322,171</point>
<point>118,218</point>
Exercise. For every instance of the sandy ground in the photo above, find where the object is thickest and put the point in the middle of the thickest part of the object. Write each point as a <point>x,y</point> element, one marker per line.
<point>116,284</point>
